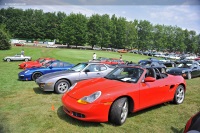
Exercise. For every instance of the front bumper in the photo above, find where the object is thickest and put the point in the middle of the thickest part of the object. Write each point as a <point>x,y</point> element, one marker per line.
<point>98,112</point>
<point>24,77</point>
<point>45,86</point>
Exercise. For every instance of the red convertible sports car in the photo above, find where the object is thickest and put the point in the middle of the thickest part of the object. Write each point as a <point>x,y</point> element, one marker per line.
<point>125,89</point>
<point>37,63</point>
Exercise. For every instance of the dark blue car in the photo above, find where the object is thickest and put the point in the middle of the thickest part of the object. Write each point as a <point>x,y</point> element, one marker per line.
<point>187,69</point>
<point>53,66</point>
<point>154,64</point>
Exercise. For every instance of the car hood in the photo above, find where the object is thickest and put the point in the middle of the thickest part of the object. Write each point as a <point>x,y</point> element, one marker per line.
<point>106,86</point>
<point>178,69</point>
<point>55,74</point>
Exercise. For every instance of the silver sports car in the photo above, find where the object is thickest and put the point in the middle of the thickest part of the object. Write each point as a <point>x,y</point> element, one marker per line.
<point>60,82</point>
<point>17,57</point>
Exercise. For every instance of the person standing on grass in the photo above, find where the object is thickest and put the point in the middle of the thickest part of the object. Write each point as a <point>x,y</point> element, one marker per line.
<point>94,56</point>
<point>120,57</point>
<point>22,52</point>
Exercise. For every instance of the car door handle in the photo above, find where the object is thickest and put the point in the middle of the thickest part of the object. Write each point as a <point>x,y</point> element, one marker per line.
<point>98,73</point>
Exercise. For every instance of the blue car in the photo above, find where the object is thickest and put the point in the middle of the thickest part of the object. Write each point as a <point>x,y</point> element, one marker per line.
<point>53,66</point>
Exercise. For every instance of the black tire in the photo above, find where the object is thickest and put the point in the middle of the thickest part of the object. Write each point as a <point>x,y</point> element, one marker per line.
<point>26,59</point>
<point>189,76</point>
<point>8,59</point>
<point>119,111</point>
<point>36,75</point>
<point>179,95</point>
<point>62,86</point>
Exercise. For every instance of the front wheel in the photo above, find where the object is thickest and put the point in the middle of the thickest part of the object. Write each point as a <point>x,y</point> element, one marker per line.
<point>179,95</point>
<point>8,60</point>
<point>26,59</point>
<point>36,75</point>
<point>62,86</point>
<point>119,111</point>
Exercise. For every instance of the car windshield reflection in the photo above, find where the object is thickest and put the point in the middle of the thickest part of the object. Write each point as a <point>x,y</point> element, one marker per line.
<point>125,74</point>
<point>79,67</point>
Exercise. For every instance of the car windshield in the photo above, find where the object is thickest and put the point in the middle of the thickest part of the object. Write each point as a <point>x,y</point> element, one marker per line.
<point>185,65</point>
<point>79,67</point>
<point>41,60</point>
<point>47,64</point>
<point>145,63</point>
<point>125,74</point>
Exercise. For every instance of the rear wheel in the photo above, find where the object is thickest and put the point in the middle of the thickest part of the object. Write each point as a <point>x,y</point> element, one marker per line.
<point>119,111</point>
<point>189,76</point>
<point>8,60</point>
<point>36,75</point>
<point>163,70</point>
<point>62,86</point>
<point>179,95</point>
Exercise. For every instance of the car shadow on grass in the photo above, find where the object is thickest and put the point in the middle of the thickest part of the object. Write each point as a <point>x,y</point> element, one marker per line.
<point>63,116</point>
<point>37,90</point>
<point>175,130</point>
<point>145,110</point>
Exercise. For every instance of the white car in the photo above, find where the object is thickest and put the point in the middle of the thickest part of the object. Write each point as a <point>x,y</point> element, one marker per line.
<point>51,46</point>
<point>17,57</point>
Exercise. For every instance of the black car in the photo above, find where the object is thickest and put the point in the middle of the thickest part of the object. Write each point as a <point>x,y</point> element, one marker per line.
<point>154,64</point>
<point>188,69</point>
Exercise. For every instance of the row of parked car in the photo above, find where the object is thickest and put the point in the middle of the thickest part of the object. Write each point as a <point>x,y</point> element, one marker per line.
<point>100,91</point>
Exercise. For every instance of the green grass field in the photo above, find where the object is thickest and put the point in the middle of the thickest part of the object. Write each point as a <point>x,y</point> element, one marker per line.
<point>24,108</point>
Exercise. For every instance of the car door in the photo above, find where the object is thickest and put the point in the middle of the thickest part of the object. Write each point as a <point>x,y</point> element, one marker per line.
<point>91,71</point>
<point>55,66</point>
<point>17,57</point>
<point>152,93</point>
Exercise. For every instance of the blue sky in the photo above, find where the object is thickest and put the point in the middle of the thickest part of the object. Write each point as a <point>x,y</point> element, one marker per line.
<point>181,13</point>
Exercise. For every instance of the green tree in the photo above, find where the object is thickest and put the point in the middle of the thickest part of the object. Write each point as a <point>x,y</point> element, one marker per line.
<point>131,34</point>
<point>74,28</point>
<point>4,38</point>
<point>145,34</point>
<point>94,30</point>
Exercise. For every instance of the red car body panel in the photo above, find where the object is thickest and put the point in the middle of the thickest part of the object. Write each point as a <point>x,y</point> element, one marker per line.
<point>192,123</point>
<point>18,44</point>
<point>113,61</point>
<point>144,95</point>
<point>35,63</point>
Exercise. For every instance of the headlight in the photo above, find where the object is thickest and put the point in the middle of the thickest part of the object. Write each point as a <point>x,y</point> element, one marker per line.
<point>183,71</point>
<point>167,70</point>
<point>71,87</point>
<point>89,99</point>
<point>26,71</point>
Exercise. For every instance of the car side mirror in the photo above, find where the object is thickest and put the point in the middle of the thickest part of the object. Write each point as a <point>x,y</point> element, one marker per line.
<point>87,70</point>
<point>149,79</point>
<point>50,67</point>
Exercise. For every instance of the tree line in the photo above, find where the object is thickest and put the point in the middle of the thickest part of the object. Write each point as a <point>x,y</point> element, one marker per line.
<point>98,30</point>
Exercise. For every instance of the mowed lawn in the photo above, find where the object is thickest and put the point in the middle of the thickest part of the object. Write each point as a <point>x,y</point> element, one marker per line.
<point>24,108</point>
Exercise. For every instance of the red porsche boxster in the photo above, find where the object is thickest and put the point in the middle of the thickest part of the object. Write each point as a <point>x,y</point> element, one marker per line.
<point>125,89</point>
<point>37,63</point>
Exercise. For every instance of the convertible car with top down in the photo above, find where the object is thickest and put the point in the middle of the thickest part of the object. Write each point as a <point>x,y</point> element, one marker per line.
<point>37,63</point>
<point>125,89</point>
<point>187,69</point>
<point>17,57</point>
